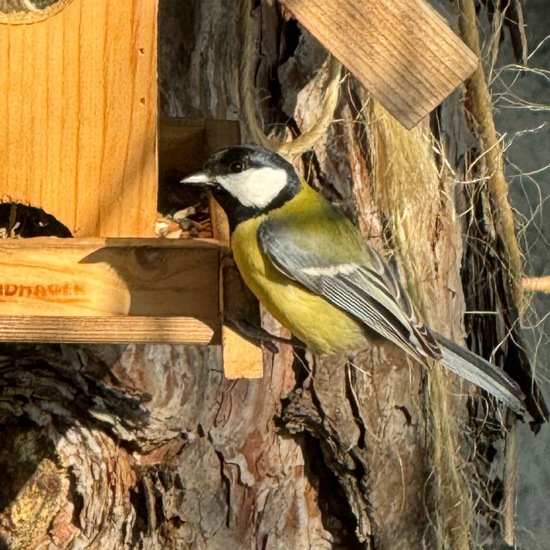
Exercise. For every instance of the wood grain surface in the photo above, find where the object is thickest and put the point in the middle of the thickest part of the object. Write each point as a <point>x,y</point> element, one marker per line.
<point>78,116</point>
<point>109,290</point>
<point>402,50</point>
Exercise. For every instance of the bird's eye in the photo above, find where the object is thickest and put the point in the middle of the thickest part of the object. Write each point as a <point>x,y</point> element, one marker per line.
<point>236,167</point>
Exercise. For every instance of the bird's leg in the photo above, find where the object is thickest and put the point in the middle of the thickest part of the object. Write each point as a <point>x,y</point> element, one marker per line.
<point>258,335</point>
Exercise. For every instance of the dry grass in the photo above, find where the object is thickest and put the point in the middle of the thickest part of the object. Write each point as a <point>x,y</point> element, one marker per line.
<point>408,192</point>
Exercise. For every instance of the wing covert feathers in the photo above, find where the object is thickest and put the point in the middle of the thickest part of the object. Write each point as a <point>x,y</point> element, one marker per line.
<point>369,291</point>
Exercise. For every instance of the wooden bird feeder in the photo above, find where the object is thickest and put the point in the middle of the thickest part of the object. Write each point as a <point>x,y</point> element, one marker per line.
<point>78,132</point>
<point>79,135</point>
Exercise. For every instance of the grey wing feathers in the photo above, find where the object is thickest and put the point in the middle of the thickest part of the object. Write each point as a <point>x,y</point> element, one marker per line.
<point>378,284</point>
<point>373,294</point>
<point>369,292</point>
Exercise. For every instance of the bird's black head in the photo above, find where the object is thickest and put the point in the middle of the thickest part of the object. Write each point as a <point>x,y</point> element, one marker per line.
<point>247,181</point>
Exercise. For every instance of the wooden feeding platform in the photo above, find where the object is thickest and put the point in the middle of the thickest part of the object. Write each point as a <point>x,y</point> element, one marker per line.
<point>110,290</point>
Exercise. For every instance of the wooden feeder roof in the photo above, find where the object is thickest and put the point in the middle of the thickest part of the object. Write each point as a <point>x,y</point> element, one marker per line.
<point>401,50</point>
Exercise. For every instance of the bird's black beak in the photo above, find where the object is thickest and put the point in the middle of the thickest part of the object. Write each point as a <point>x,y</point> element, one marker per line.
<point>198,178</point>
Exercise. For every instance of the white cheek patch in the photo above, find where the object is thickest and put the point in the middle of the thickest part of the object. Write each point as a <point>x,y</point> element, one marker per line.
<point>255,187</point>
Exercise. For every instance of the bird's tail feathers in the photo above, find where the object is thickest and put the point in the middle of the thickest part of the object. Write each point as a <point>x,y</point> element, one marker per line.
<point>477,370</point>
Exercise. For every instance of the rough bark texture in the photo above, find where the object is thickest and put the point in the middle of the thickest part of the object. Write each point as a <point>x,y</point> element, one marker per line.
<point>148,446</point>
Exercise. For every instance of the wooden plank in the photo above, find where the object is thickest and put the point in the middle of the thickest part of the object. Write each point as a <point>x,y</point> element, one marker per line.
<point>58,329</point>
<point>401,50</point>
<point>78,116</point>
<point>184,144</point>
<point>87,279</point>
<point>241,358</point>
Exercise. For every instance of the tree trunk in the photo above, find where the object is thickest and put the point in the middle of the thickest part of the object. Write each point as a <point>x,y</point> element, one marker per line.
<point>149,446</point>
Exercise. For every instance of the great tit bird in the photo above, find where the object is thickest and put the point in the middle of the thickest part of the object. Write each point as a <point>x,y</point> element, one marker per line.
<point>312,269</point>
